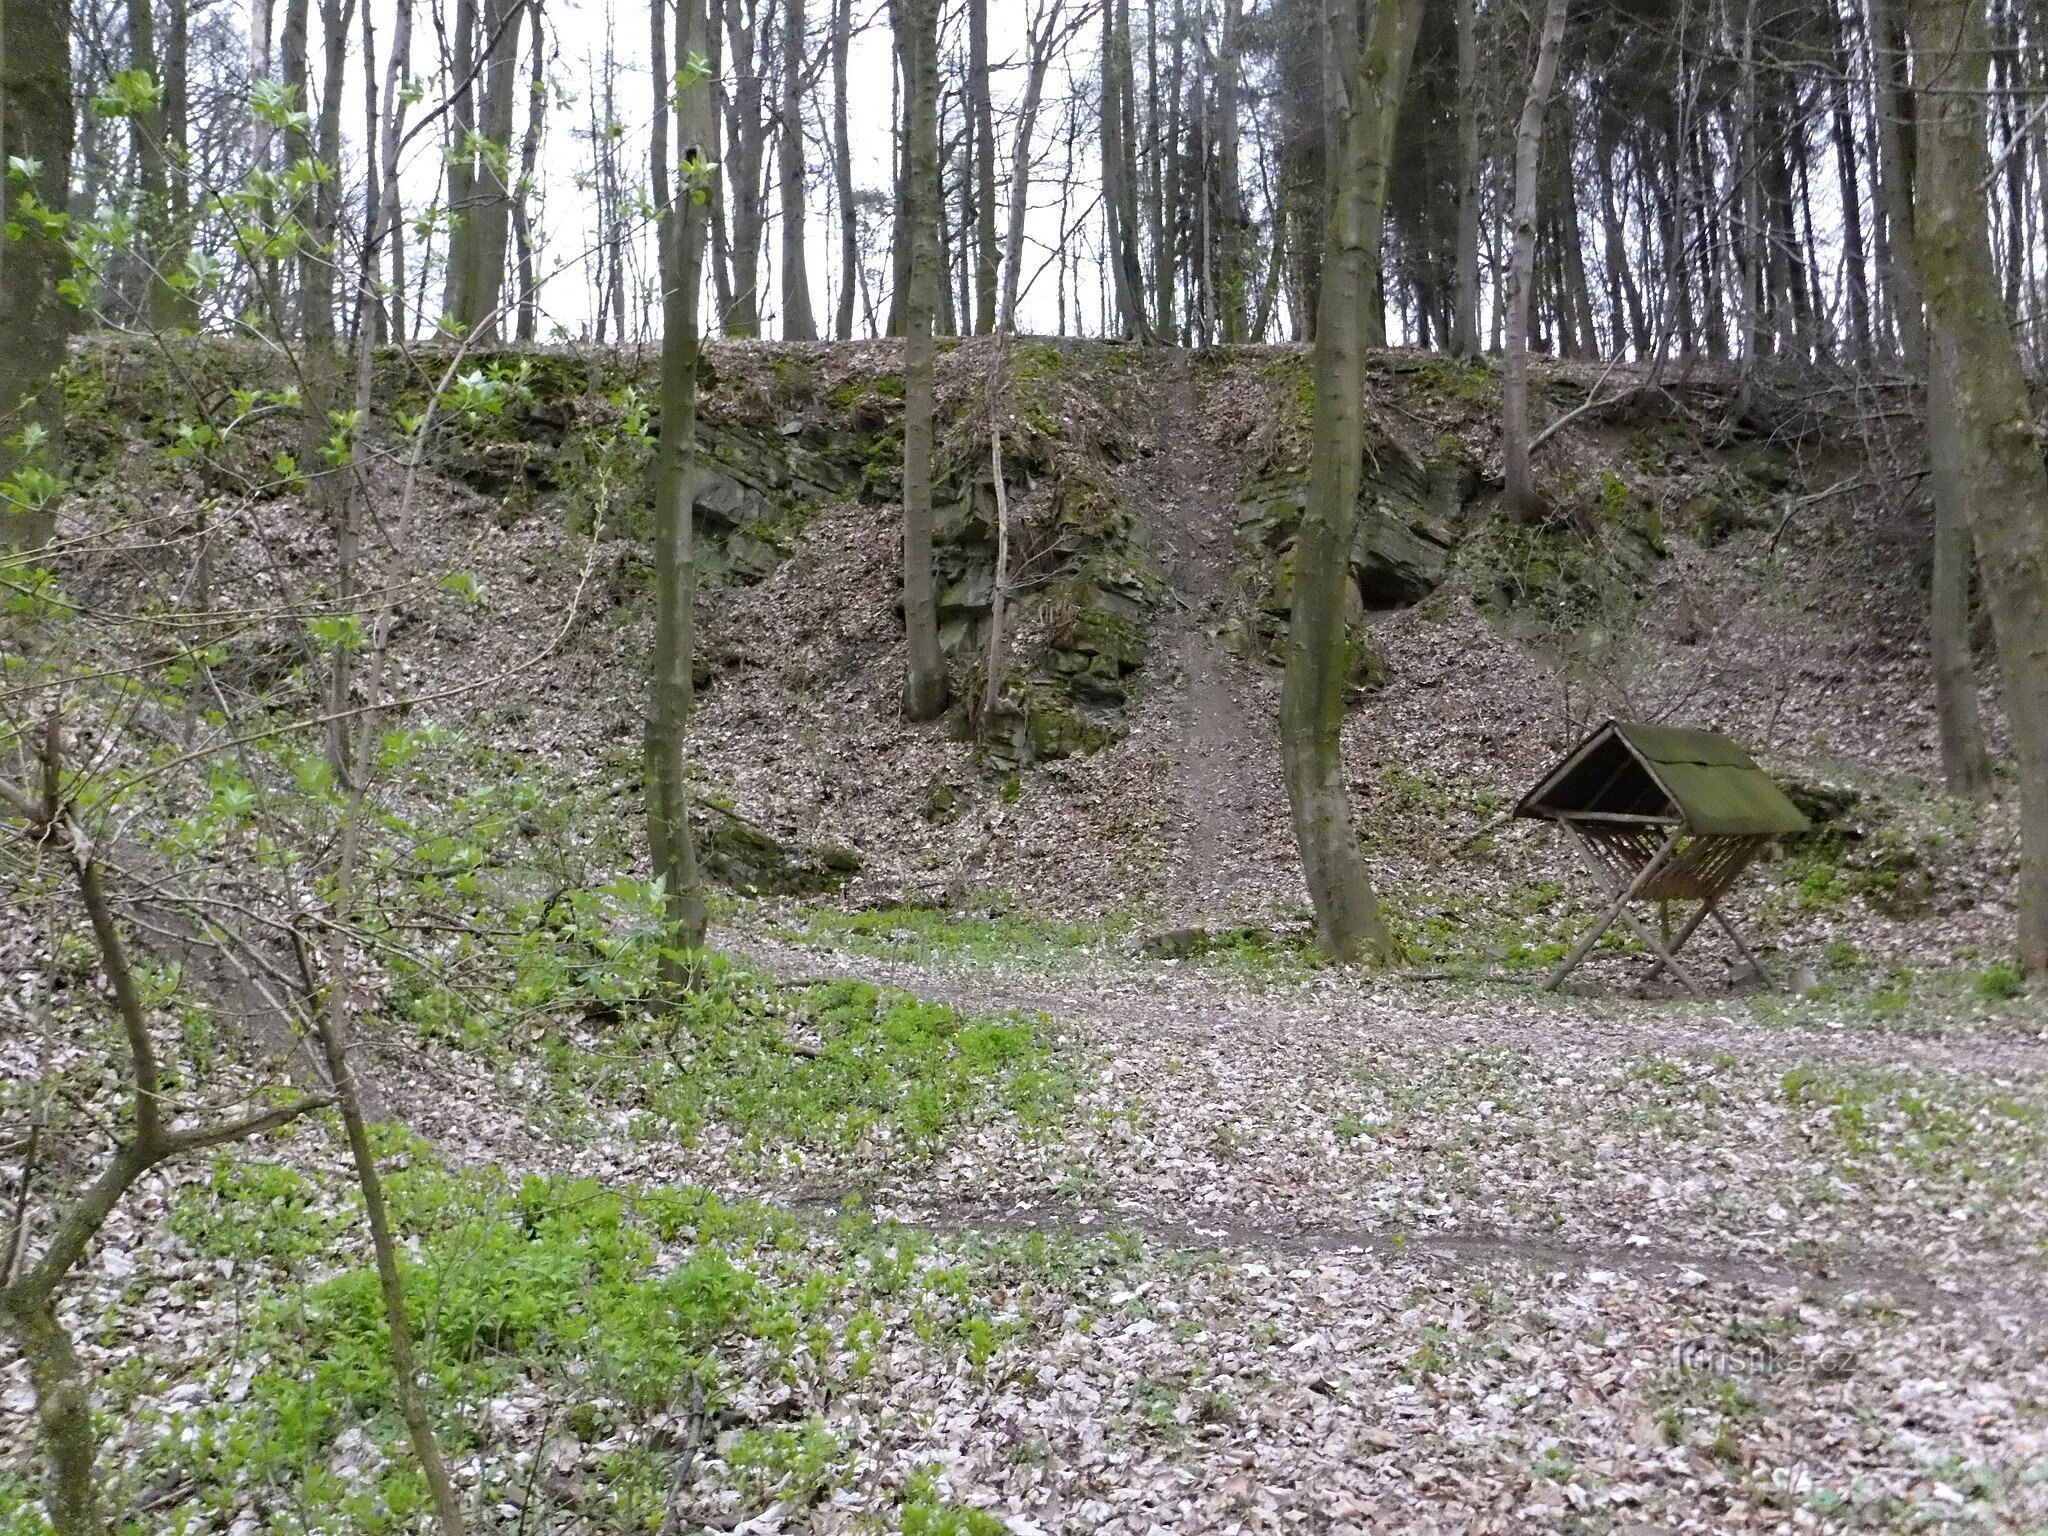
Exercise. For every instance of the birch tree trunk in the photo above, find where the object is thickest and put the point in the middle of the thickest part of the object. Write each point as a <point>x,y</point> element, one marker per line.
<point>1319,646</point>
<point>1998,448</point>
<point>917,43</point>
<point>1514,436</point>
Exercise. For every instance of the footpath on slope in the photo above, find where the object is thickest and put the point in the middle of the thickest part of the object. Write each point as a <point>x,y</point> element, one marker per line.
<point>1218,737</point>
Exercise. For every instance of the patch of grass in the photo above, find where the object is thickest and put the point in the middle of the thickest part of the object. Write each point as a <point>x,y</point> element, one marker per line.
<point>1941,1132</point>
<point>616,1304</point>
<point>929,932</point>
<point>2000,982</point>
<point>578,984</point>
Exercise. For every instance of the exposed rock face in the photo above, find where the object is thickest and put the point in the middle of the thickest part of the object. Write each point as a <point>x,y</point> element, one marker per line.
<point>1412,515</point>
<point>778,441</point>
<point>743,857</point>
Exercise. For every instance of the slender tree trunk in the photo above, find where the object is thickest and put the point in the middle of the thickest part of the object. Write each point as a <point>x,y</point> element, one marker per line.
<point>177,151</point>
<point>1965,759</point>
<point>681,220</point>
<point>1045,29</point>
<point>1514,438</point>
<point>1842,124</point>
<point>36,127</point>
<point>842,172</point>
<point>366,328</point>
<point>987,258</point>
<point>1998,453</point>
<point>798,324</point>
<point>397,71</point>
<point>1119,173</point>
<point>924,687</point>
<point>1896,177</point>
<point>1233,280</point>
<point>461,156</point>
<point>1395,28</point>
<point>412,1406</point>
<point>1319,645</point>
<point>746,130</point>
<point>1465,305</point>
<point>528,188</point>
<point>492,196</point>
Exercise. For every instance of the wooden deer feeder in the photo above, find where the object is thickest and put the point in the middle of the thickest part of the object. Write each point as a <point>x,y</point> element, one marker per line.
<point>1662,813</point>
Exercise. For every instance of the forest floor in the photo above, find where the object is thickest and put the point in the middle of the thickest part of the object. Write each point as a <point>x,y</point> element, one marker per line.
<point>958,1204</point>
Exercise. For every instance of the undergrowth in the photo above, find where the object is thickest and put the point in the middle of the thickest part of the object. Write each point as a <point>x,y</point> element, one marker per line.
<point>594,1323</point>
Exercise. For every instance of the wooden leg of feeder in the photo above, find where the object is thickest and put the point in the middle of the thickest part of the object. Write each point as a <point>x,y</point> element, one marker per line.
<point>1617,908</point>
<point>1736,939</point>
<point>1665,959</point>
<point>1685,932</point>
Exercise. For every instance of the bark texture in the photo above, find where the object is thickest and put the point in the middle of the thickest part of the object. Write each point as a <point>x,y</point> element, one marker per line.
<point>681,227</point>
<point>1998,445</point>
<point>36,128</point>
<point>1514,436</point>
<point>917,42</point>
<point>1319,645</point>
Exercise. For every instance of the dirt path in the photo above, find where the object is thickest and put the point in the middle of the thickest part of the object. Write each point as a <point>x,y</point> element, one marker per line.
<point>1225,769</point>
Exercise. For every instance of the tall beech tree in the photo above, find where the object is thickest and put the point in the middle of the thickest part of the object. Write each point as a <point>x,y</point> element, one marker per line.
<point>917,47</point>
<point>1997,449</point>
<point>1319,641</point>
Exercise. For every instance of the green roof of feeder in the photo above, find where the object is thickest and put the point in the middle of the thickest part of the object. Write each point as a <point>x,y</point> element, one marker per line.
<point>1632,770</point>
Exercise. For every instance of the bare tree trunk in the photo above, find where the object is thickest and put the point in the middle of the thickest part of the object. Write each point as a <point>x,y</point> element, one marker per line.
<point>917,42</point>
<point>1119,192</point>
<point>798,324</point>
<point>36,128</point>
<point>1842,123</point>
<point>1232,278</point>
<point>1045,32</point>
<point>680,229</point>
<point>529,180</point>
<point>746,129</point>
<point>397,70</point>
<point>412,1406</point>
<point>461,158</point>
<point>987,258</point>
<point>491,218</point>
<point>1896,176</point>
<point>1465,305</point>
<point>1392,47</point>
<point>146,149</point>
<point>1998,452</point>
<point>1319,646</point>
<point>1514,436</point>
<point>1965,759</point>
<point>842,172</point>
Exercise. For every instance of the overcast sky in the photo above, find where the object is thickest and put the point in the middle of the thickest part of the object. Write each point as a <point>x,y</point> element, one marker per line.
<point>567,223</point>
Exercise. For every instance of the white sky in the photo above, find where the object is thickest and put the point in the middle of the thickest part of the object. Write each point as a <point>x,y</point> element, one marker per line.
<point>567,212</point>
